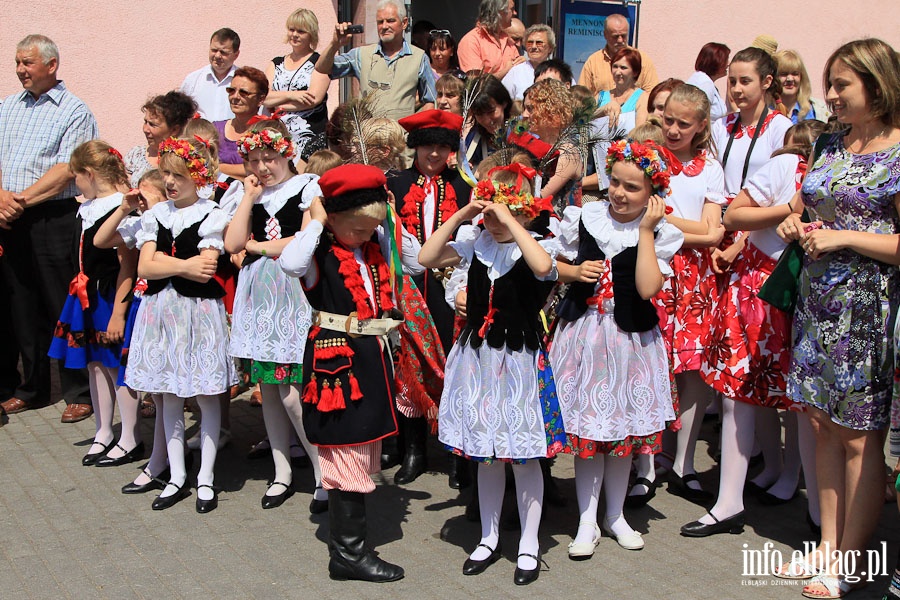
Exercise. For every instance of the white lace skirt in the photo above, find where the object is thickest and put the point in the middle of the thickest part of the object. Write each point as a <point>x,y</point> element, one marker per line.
<point>611,384</point>
<point>271,317</point>
<point>491,405</point>
<point>179,346</point>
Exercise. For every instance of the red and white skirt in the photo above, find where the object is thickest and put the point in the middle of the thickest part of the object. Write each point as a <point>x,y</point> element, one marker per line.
<point>748,350</point>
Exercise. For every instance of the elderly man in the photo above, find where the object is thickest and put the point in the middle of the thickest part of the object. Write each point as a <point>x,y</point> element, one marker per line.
<point>39,129</point>
<point>207,85</point>
<point>488,48</point>
<point>401,74</point>
<point>540,43</point>
<point>596,74</point>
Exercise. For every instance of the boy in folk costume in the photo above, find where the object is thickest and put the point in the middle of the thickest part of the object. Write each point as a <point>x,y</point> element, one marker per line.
<point>348,391</point>
<point>427,195</point>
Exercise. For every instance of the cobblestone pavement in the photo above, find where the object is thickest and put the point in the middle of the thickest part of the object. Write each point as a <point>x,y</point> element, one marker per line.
<point>68,532</point>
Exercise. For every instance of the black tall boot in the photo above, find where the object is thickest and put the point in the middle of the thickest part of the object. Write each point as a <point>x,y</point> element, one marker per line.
<point>350,557</point>
<point>415,438</point>
<point>459,476</point>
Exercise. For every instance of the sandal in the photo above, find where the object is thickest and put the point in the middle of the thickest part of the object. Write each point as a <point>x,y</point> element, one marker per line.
<point>797,569</point>
<point>834,587</point>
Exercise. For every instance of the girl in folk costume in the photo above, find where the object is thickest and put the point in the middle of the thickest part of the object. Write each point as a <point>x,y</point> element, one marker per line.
<point>180,340</point>
<point>745,140</point>
<point>92,323</point>
<point>271,315</point>
<point>748,354</point>
<point>428,194</point>
<point>684,304</point>
<point>499,402</point>
<point>348,389</point>
<point>120,230</point>
<point>609,355</point>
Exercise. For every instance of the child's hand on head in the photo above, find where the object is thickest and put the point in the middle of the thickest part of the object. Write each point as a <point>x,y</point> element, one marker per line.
<point>317,211</point>
<point>252,187</point>
<point>500,212</point>
<point>656,210</point>
<point>473,209</point>
<point>590,270</point>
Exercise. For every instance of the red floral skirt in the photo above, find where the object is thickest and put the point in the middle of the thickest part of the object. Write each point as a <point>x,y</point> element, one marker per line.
<point>748,350</point>
<point>685,306</point>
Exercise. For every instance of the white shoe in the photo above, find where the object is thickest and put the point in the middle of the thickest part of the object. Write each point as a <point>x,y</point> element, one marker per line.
<point>629,541</point>
<point>581,550</point>
<point>193,442</point>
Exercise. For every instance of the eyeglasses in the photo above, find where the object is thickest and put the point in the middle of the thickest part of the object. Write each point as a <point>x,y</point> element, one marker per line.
<point>437,32</point>
<point>242,92</point>
<point>538,43</point>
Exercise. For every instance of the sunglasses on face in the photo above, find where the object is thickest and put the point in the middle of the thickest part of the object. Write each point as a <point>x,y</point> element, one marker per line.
<point>241,92</point>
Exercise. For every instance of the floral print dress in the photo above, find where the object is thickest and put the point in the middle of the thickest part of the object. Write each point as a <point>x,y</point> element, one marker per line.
<point>843,357</point>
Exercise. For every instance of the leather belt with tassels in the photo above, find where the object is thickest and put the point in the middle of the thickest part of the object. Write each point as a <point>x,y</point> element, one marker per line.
<point>352,326</point>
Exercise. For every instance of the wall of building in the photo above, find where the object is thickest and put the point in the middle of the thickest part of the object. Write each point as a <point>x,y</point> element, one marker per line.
<point>672,31</point>
<point>114,55</point>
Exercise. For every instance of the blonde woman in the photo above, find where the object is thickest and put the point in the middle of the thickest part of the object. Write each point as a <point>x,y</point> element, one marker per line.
<point>796,89</point>
<point>290,76</point>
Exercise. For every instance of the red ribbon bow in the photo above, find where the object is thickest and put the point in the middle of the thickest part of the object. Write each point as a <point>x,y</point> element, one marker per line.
<point>201,140</point>
<point>275,116</point>
<point>115,153</point>
<point>78,287</point>
<point>519,169</point>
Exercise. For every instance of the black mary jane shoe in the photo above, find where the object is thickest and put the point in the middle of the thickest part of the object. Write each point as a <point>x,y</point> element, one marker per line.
<point>90,459</point>
<point>155,483</point>
<point>278,500</point>
<point>317,507</point>
<point>133,455</point>
<point>164,502</point>
<point>769,499</point>
<point>205,506</point>
<point>639,500</point>
<point>679,487</point>
<point>526,576</point>
<point>734,525</point>
<point>477,567</point>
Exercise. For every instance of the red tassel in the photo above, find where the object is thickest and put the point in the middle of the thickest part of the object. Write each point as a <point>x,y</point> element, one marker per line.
<point>326,398</point>
<point>310,392</point>
<point>340,402</point>
<point>355,393</point>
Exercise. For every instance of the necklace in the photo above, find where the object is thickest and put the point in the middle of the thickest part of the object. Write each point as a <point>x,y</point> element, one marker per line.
<point>875,137</point>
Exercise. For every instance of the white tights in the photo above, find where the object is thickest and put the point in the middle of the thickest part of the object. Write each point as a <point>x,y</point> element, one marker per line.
<point>738,425</point>
<point>610,473</point>
<point>104,396</point>
<point>281,410</point>
<point>529,495</point>
<point>173,420</point>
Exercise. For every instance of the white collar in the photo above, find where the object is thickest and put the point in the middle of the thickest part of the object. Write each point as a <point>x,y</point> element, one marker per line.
<point>92,211</point>
<point>273,198</point>
<point>176,219</point>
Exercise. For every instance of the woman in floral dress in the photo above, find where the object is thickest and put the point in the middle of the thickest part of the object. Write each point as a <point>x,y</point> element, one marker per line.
<point>843,358</point>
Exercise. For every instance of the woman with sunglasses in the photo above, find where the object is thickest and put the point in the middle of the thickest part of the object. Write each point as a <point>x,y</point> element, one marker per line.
<point>249,88</point>
<point>441,50</point>
<point>290,78</point>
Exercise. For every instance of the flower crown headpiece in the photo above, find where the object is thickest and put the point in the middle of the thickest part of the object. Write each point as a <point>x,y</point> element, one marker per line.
<point>647,157</point>
<point>266,138</point>
<point>519,202</point>
<point>197,164</point>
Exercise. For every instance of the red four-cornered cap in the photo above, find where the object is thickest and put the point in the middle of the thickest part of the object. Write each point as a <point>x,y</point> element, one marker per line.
<point>428,119</point>
<point>349,178</point>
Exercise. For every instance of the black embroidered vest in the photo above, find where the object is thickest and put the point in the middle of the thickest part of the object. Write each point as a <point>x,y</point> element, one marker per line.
<point>183,246</point>
<point>632,313</point>
<point>518,300</point>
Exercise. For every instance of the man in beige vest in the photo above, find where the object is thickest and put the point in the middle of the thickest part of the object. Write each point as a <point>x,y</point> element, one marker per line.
<point>596,75</point>
<point>401,74</point>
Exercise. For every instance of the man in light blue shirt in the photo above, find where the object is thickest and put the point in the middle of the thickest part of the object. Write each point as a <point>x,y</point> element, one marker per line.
<point>39,129</point>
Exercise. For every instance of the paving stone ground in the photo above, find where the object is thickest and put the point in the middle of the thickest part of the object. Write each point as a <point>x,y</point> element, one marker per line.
<point>68,532</point>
